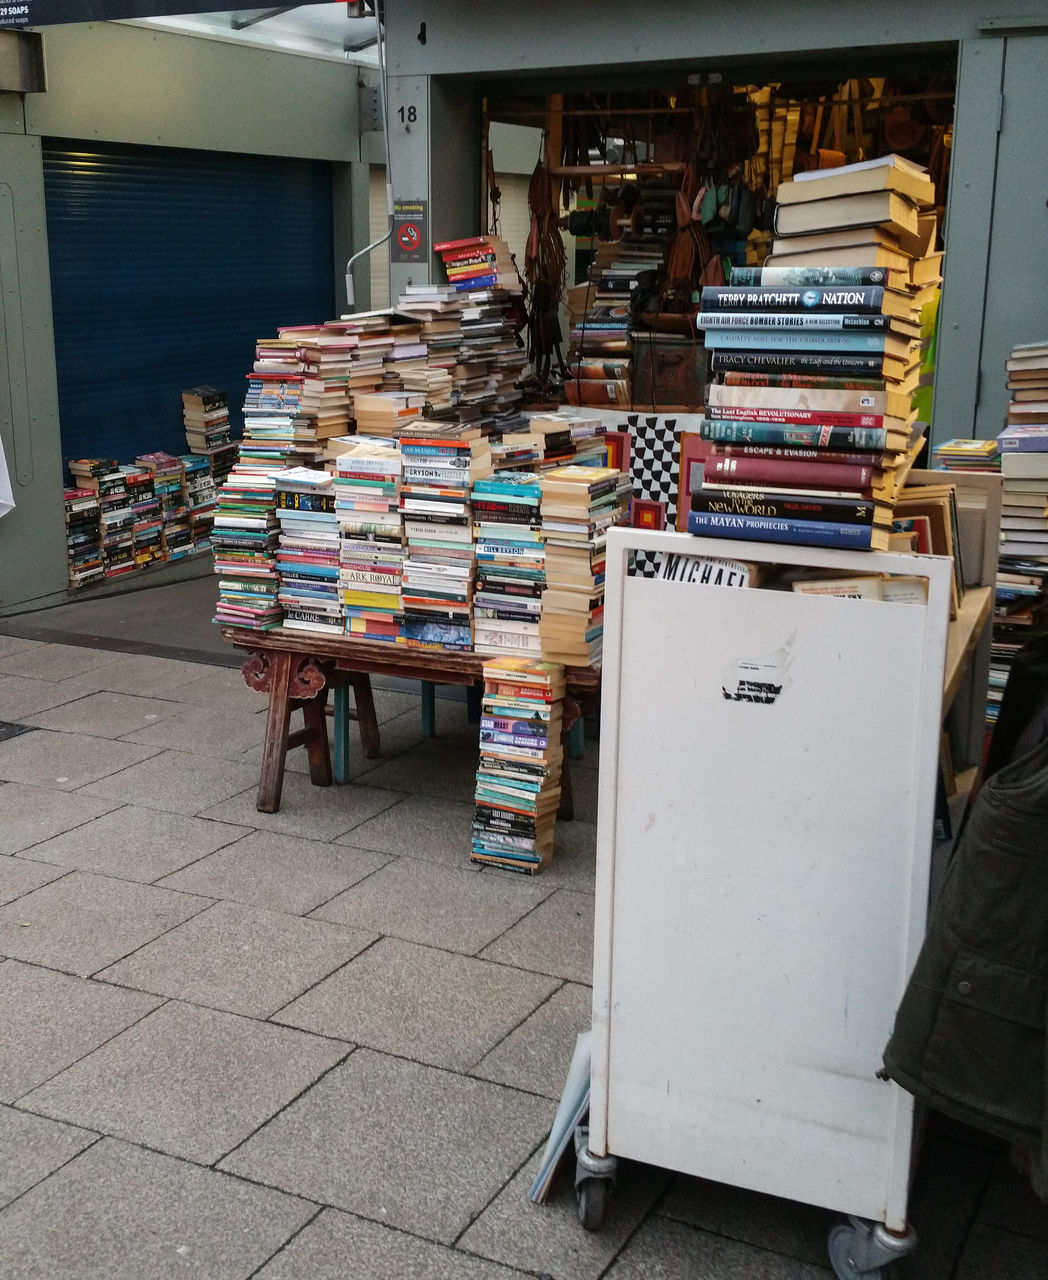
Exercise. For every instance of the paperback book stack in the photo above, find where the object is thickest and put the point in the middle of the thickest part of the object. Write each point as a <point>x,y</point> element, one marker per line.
<point>438,310</point>
<point>374,337</point>
<point>367,472</point>
<point>83,537</point>
<point>275,436</point>
<point>201,496</point>
<point>518,778</point>
<point>147,530</point>
<point>438,476</point>
<point>406,357</point>
<point>967,455</point>
<point>307,556</point>
<point>387,413</point>
<point>104,477</point>
<point>169,487</point>
<point>325,359</point>
<point>553,438</point>
<point>244,544</point>
<point>810,415</point>
<point>205,412</point>
<point>579,505</point>
<point>511,564</point>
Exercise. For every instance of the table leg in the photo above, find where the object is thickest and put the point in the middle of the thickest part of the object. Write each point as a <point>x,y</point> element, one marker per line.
<point>366,717</point>
<point>341,718</point>
<point>274,745</point>
<point>314,714</point>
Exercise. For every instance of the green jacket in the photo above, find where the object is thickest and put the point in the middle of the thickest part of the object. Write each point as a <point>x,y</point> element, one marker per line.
<point>969,1037</point>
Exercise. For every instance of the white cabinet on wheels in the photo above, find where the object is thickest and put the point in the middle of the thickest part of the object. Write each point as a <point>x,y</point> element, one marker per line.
<point>768,768</point>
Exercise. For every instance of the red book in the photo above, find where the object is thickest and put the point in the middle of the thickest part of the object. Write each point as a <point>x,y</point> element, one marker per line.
<point>468,243</point>
<point>785,473</point>
<point>796,453</point>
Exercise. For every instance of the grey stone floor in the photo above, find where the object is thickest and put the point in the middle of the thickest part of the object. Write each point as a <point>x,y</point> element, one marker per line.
<point>314,1044</point>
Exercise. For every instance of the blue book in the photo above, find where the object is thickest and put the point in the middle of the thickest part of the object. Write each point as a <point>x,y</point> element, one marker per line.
<point>806,533</point>
<point>797,340</point>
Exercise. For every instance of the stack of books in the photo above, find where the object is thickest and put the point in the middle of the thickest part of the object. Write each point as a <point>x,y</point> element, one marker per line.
<point>579,505</point>
<point>476,262</point>
<point>387,413</point>
<point>169,487</point>
<point>205,412</point>
<point>372,332</point>
<point>598,380</point>
<point>244,543</point>
<point>201,497</point>
<point>367,472</point>
<point>553,438</point>
<point>521,755</point>
<point>967,455</point>
<point>437,592</point>
<point>83,537</point>
<point>147,531</point>
<point>406,357</point>
<point>438,310</point>
<point>307,556</point>
<point>1024,456</point>
<point>810,416</point>
<point>273,436</point>
<point>511,560</point>
<point>104,478</point>
<point>325,359</point>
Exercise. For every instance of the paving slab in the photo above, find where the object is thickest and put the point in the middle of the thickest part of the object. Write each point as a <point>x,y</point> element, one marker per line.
<point>150,676</point>
<point>133,843</point>
<point>54,662</point>
<point>241,959</point>
<point>284,873</point>
<point>190,1082</point>
<point>215,730</point>
<point>65,760</point>
<point>406,1145</point>
<point>574,857</point>
<point>340,1246</point>
<point>104,714</point>
<point>318,813</point>
<point>666,1250</point>
<point>557,938</point>
<point>117,1212</point>
<point>442,906</point>
<point>51,1020</point>
<point>19,876</point>
<point>395,737</point>
<point>208,686</point>
<point>32,1147</point>
<point>421,827</point>
<point>548,1237</point>
<point>22,695</point>
<point>537,1054</point>
<point>83,922</point>
<point>433,768</point>
<point>30,815</point>
<point>15,644</point>
<point>176,782</point>
<point>737,1213</point>
<point>434,1007</point>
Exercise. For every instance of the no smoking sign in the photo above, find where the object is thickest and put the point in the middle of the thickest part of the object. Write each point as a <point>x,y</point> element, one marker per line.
<point>409,232</point>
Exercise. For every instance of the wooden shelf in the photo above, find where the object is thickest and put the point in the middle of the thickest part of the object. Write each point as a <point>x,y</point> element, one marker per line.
<point>964,634</point>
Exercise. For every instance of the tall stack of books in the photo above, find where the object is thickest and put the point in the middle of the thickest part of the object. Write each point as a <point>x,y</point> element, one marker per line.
<point>373,332</point>
<point>201,497</point>
<point>169,487</point>
<point>244,543</point>
<point>367,471</point>
<point>438,475</point>
<point>438,309</point>
<point>274,434</point>
<point>307,556</point>
<point>511,560</point>
<point>147,531</point>
<point>406,357</point>
<point>205,412</point>
<point>325,359</point>
<point>1024,456</point>
<point>104,477</point>
<point>810,415</point>
<point>521,755</point>
<point>83,537</point>
<point>579,505</point>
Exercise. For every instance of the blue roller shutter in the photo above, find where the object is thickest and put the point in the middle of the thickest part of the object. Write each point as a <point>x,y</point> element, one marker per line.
<point>166,265</point>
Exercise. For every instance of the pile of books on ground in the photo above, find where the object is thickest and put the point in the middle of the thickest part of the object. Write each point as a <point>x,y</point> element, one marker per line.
<point>147,530</point>
<point>579,504</point>
<point>307,555</point>
<point>169,488</point>
<point>105,478</point>
<point>205,413</point>
<point>521,754</point>
<point>964,454</point>
<point>511,560</point>
<point>438,475</point>
<point>810,415</point>
<point>201,496</point>
<point>367,477</point>
<point>83,537</point>
<point>1022,574</point>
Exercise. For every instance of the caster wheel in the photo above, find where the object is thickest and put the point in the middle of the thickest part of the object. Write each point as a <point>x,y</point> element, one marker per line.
<point>839,1245</point>
<point>591,1199</point>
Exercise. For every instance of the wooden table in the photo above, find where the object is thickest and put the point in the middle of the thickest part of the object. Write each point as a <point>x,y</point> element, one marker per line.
<point>297,668</point>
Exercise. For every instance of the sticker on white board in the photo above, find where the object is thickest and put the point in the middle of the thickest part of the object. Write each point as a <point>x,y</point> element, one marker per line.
<point>760,679</point>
